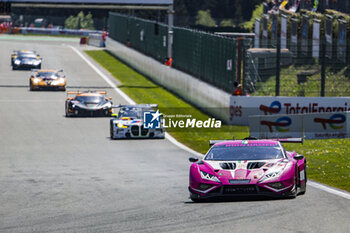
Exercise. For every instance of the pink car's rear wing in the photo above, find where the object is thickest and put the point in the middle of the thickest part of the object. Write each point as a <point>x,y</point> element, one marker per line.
<point>281,140</point>
<point>289,140</point>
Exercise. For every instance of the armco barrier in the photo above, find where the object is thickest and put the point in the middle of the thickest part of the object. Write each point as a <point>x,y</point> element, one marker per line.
<point>211,99</point>
<point>96,39</point>
<point>309,126</point>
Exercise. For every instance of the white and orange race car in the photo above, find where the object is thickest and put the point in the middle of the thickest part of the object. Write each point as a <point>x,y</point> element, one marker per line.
<point>88,103</point>
<point>48,80</point>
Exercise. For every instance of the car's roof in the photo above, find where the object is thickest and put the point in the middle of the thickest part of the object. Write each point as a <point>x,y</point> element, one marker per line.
<point>141,106</point>
<point>264,142</point>
<point>89,94</point>
<point>44,71</point>
<point>26,51</point>
<point>131,106</point>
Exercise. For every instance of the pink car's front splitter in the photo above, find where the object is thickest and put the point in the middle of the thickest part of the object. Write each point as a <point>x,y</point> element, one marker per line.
<point>242,190</point>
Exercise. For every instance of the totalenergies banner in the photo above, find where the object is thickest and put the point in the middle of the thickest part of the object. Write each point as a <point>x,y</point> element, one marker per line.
<point>241,107</point>
<point>308,126</point>
<point>280,126</point>
<point>326,125</point>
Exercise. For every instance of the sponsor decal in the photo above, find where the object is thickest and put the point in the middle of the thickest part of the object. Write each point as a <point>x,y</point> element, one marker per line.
<point>235,110</point>
<point>241,165</point>
<point>249,144</point>
<point>274,108</point>
<point>336,121</point>
<point>297,108</point>
<point>302,175</point>
<point>239,180</point>
<point>314,108</point>
<point>280,124</point>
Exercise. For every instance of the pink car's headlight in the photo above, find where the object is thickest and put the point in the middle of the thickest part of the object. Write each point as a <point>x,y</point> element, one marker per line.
<point>207,176</point>
<point>271,175</point>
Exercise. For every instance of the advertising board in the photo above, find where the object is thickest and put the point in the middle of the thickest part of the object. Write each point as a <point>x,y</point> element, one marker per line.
<point>326,125</point>
<point>241,107</point>
<point>279,126</point>
<point>307,126</point>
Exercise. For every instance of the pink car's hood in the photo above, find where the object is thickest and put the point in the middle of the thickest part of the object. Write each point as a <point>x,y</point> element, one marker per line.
<point>243,172</point>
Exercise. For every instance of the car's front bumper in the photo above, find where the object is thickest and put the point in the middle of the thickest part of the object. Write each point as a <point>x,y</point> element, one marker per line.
<point>49,87</point>
<point>138,131</point>
<point>240,190</point>
<point>101,112</point>
<point>207,189</point>
<point>25,66</point>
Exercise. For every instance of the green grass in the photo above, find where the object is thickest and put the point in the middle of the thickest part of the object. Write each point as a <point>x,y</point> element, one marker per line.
<point>337,83</point>
<point>328,160</point>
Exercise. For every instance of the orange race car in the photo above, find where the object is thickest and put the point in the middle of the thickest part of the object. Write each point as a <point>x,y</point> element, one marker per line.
<point>47,79</point>
<point>88,103</point>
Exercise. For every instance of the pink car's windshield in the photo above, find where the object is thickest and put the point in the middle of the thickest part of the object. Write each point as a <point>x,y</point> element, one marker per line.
<point>233,153</point>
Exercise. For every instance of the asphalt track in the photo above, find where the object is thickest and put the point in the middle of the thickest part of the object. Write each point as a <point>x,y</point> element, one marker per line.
<point>65,175</point>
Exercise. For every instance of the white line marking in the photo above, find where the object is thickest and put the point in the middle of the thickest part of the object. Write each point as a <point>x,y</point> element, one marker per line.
<point>329,190</point>
<point>182,146</point>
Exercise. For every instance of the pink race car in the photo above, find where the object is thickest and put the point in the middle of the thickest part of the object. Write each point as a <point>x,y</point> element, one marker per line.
<point>248,167</point>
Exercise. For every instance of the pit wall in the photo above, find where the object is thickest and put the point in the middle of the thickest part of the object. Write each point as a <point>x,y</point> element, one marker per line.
<point>210,99</point>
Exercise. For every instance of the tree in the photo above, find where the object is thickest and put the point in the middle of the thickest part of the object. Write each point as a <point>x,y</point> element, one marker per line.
<point>71,22</point>
<point>80,21</point>
<point>220,10</point>
<point>87,22</point>
<point>204,18</point>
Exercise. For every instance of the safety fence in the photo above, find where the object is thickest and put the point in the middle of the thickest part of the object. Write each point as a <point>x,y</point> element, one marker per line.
<point>208,57</point>
<point>298,75</point>
<point>314,58</point>
<point>148,37</point>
